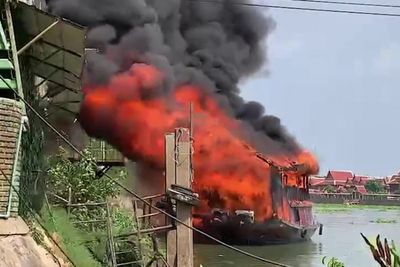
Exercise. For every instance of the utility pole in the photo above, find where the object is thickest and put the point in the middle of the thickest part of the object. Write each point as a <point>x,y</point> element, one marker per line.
<point>170,179</point>
<point>179,173</point>
<point>184,242</point>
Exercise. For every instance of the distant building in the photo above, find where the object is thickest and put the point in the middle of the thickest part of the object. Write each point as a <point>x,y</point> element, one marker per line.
<point>360,180</point>
<point>315,180</point>
<point>340,181</point>
<point>394,184</point>
<point>339,177</point>
<point>360,189</point>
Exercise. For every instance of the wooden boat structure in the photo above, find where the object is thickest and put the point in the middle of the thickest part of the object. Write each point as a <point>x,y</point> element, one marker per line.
<point>241,228</point>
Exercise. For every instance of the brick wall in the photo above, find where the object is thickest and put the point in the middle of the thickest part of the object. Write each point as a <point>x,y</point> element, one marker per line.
<point>10,122</point>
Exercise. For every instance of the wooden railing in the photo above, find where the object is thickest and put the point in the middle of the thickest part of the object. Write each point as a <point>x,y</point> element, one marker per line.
<point>103,152</point>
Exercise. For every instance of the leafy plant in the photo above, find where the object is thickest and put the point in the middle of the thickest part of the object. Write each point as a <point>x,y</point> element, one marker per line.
<point>79,178</point>
<point>374,186</point>
<point>77,183</point>
<point>70,238</point>
<point>332,262</point>
<point>395,254</point>
<point>124,224</point>
<point>329,189</point>
<point>383,254</point>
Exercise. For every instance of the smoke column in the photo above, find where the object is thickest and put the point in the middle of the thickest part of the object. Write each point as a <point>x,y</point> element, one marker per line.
<point>156,56</point>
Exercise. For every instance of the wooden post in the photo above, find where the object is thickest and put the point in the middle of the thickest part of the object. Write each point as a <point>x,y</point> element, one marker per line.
<point>69,201</point>
<point>110,236</point>
<point>183,211</point>
<point>170,179</point>
<point>139,230</point>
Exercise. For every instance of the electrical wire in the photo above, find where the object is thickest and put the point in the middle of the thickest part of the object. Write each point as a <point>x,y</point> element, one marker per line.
<point>36,216</point>
<point>354,12</point>
<point>347,3</point>
<point>137,195</point>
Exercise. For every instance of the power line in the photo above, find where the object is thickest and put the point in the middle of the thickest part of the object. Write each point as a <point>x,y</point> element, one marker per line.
<point>347,3</point>
<point>354,12</point>
<point>135,194</point>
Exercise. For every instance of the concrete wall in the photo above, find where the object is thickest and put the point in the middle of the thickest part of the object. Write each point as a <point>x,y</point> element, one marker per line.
<point>363,200</point>
<point>10,122</point>
<point>383,202</point>
<point>330,198</point>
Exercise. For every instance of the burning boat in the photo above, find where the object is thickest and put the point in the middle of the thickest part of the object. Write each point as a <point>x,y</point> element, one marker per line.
<point>292,219</point>
<point>149,70</point>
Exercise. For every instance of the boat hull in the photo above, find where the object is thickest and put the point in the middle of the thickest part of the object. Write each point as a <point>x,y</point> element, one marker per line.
<point>265,233</point>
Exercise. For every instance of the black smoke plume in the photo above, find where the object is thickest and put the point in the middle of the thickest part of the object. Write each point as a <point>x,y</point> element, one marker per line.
<point>211,44</point>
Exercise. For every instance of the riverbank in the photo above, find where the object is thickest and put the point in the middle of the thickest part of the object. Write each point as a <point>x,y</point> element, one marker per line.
<point>327,208</point>
<point>362,199</point>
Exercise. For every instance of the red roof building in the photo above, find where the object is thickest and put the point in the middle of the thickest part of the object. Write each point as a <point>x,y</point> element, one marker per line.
<point>342,181</point>
<point>316,180</point>
<point>394,184</point>
<point>342,176</point>
<point>361,189</point>
<point>360,180</point>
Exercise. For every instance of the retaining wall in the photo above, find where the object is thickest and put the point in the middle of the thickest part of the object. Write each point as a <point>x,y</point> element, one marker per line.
<point>363,199</point>
<point>10,123</point>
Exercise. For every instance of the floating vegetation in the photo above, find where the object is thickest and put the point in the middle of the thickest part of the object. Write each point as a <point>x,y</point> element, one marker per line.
<point>332,262</point>
<point>331,208</point>
<point>380,220</point>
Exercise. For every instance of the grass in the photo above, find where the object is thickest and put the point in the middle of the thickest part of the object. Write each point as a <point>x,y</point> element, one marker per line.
<point>72,240</point>
<point>328,208</point>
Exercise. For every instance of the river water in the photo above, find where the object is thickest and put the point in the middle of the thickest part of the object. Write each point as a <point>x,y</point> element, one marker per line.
<point>341,238</point>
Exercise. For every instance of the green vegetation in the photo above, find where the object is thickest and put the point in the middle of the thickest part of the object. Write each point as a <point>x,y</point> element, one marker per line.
<point>71,239</point>
<point>76,182</point>
<point>383,254</point>
<point>332,262</point>
<point>328,208</point>
<point>380,220</point>
<point>374,187</point>
<point>83,230</point>
<point>80,178</point>
<point>329,189</point>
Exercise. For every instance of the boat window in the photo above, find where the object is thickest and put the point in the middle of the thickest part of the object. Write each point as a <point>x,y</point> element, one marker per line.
<point>296,215</point>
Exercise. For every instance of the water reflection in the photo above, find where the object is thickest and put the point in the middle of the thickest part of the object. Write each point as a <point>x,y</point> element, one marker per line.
<point>341,238</point>
<point>294,255</point>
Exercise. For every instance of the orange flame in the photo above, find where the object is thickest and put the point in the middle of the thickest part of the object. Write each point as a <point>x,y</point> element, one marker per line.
<point>131,115</point>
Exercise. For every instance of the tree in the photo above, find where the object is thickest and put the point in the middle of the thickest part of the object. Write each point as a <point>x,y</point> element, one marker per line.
<point>374,186</point>
<point>79,178</point>
<point>77,183</point>
<point>329,189</point>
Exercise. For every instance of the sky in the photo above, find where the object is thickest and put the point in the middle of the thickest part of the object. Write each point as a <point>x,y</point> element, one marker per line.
<point>334,80</point>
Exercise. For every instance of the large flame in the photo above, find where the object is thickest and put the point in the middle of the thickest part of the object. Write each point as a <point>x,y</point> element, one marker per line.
<point>131,115</point>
